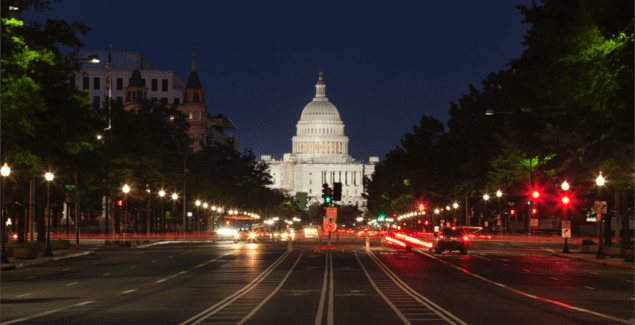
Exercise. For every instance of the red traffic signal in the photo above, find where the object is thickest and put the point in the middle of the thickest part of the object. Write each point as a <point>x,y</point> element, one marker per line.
<point>119,202</point>
<point>426,222</point>
<point>421,207</point>
<point>565,200</point>
<point>535,194</point>
<point>533,211</point>
<point>227,222</point>
<point>513,212</point>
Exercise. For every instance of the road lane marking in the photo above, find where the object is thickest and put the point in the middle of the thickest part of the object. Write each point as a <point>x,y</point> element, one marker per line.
<point>45,313</point>
<point>630,281</point>
<point>129,291</point>
<point>70,284</point>
<point>553,279</point>
<point>225,302</point>
<point>595,273</point>
<point>107,274</point>
<point>329,317</point>
<point>153,261</point>
<point>526,270</point>
<point>65,269</point>
<point>187,252</point>
<point>132,267</point>
<point>94,263</point>
<point>242,321</point>
<point>504,260</point>
<point>479,256</point>
<point>171,276</point>
<point>171,256</point>
<point>318,318</point>
<point>24,295</point>
<point>31,277</point>
<point>532,296</point>
<point>372,282</point>
<point>589,288</point>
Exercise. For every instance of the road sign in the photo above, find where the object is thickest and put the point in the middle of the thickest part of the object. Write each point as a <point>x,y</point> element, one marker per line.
<point>331,213</point>
<point>566,228</point>
<point>329,226</point>
<point>534,223</point>
<point>600,207</point>
<point>69,186</point>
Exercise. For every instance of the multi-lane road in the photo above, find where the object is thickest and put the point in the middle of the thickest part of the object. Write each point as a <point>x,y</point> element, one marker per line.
<point>268,283</point>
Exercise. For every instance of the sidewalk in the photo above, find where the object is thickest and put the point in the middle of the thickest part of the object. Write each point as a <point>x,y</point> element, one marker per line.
<point>615,261</point>
<point>58,254</point>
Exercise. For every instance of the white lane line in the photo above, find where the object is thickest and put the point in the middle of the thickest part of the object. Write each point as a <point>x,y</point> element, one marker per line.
<point>70,284</point>
<point>589,288</point>
<point>485,258</point>
<point>65,269</point>
<point>416,295</point>
<point>107,274</point>
<point>129,291</point>
<point>132,267</point>
<point>632,298</point>
<point>595,273</point>
<point>207,313</point>
<point>171,276</point>
<point>318,318</point>
<point>153,261</point>
<point>242,321</point>
<point>505,260</point>
<point>626,281</point>
<point>526,270</point>
<point>372,282</point>
<point>46,313</point>
<point>116,258</point>
<point>187,252</point>
<point>24,295</point>
<point>553,279</point>
<point>159,281</point>
<point>31,277</point>
<point>535,297</point>
<point>329,316</point>
<point>171,256</point>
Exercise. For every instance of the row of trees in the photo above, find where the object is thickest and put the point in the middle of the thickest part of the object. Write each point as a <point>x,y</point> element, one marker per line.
<point>47,125</point>
<point>565,113</point>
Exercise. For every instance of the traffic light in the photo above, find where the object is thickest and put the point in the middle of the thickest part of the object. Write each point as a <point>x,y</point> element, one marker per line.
<point>513,212</point>
<point>565,200</point>
<point>325,188</point>
<point>533,211</point>
<point>337,191</point>
<point>535,194</point>
<point>425,222</point>
<point>327,194</point>
<point>528,202</point>
<point>120,202</point>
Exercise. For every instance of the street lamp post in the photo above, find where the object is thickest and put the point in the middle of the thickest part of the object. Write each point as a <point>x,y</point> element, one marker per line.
<point>486,198</point>
<point>600,182</point>
<point>174,197</point>
<point>499,194</point>
<point>198,214</point>
<point>5,171</point>
<point>126,189</point>
<point>161,219</point>
<point>455,206</point>
<point>49,178</point>
<point>184,182</point>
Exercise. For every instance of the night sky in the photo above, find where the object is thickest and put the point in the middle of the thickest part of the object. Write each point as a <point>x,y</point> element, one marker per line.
<point>385,63</point>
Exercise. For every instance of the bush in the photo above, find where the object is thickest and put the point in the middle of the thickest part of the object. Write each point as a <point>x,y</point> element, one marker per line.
<point>588,242</point>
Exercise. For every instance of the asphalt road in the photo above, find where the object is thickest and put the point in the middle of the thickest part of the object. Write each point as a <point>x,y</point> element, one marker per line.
<point>266,283</point>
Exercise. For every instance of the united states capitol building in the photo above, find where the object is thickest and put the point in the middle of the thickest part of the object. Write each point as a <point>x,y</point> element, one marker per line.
<point>320,156</point>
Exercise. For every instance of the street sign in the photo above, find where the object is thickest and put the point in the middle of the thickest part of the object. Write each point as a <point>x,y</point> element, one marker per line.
<point>600,207</point>
<point>329,226</point>
<point>69,186</point>
<point>331,213</point>
<point>566,228</point>
<point>534,223</point>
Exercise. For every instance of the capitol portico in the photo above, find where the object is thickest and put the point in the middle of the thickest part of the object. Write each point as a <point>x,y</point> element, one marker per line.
<point>320,156</point>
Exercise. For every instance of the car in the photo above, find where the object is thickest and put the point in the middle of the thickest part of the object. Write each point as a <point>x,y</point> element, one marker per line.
<point>450,238</point>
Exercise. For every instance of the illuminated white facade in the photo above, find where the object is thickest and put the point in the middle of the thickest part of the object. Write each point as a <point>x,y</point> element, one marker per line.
<point>320,156</point>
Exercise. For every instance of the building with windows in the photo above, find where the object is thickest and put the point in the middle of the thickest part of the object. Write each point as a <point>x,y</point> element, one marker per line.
<point>320,156</point>
<point>134,80</point>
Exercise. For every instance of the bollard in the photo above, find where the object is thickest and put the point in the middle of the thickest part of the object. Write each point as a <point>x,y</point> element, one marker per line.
<point>367,244</point>
<point>77,238</point>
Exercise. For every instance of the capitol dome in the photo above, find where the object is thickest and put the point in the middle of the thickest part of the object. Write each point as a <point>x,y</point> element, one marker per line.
<point>320,131</point>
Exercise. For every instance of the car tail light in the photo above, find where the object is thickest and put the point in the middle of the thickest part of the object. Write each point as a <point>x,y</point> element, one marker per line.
<point>440,236</point>
<point>466,238</point>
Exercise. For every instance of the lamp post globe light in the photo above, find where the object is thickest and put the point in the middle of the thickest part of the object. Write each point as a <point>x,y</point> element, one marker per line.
<point>125,190</point>
<point>198,213</point>
<point>162,216</point>
<point>174,198</point>
<point>600,182</point>
<point>565,204</point>
<point>4,171</point>
<point>49,177</point>
<point>486,198</point>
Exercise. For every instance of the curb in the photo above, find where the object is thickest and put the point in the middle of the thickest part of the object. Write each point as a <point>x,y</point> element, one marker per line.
<point>596,262</point>
<point>44,260</point>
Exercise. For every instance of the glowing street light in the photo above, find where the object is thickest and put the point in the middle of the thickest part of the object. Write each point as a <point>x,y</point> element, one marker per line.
<point>565,186</point>
<point>4,171</point>
<point>600,182</point>
<point>499,193</point>
<point>49,177</point>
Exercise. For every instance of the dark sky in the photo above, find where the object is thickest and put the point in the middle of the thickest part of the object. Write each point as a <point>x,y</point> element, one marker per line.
<point>385,63</point>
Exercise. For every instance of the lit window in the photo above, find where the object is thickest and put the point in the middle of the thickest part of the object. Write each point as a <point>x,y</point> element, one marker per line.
<point>191,116</point>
